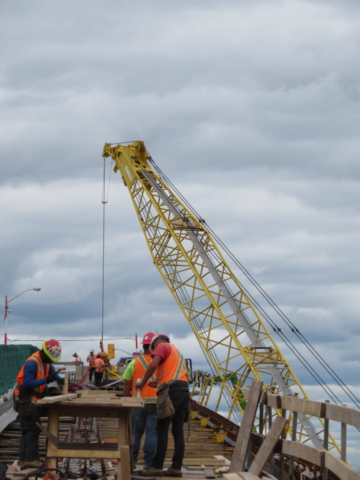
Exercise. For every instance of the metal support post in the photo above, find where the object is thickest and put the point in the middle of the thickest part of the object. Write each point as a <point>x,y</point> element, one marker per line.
<point>293,438</point>
<point>326,442</point>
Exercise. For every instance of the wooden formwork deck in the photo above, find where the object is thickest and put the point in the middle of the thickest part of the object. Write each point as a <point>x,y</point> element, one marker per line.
<point>201,449</point>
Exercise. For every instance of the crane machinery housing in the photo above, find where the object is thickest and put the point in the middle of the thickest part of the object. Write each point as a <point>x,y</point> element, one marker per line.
<point>228,326</point>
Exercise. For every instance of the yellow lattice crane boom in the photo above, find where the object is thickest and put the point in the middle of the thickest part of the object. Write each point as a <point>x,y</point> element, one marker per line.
<point>227,325</point>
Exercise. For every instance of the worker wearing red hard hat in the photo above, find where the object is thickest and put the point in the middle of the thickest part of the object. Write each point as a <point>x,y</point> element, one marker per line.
<point>169,367</point>
<point>144,419</point>
<point>31,383</point>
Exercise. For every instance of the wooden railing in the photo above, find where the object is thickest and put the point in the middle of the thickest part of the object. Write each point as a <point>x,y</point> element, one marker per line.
<point>321,458</point>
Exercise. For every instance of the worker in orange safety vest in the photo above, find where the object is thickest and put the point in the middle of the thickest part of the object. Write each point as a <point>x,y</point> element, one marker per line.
<point>144,420</point>
<point>91,360</point>
<point>31,383</point>
<point>169,367</point>
<point>99,369</point>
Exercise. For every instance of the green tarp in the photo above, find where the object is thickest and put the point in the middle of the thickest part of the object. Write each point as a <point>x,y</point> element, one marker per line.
<point>12,359</point>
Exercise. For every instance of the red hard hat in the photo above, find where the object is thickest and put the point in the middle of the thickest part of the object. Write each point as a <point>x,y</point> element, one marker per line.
<point>147,338</point>
<point>52,348</point>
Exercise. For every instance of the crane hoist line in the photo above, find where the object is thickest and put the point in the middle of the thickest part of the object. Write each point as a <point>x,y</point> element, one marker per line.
<point>226,323</point>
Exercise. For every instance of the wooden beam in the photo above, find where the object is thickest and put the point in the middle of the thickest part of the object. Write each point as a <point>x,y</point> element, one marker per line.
<point>305,452</point>
<point>49,435</point>
<point>268,445</point>
<point>342,414</point>
<point>58,398</point>
<point>243,438</point>
<point>340,468</point>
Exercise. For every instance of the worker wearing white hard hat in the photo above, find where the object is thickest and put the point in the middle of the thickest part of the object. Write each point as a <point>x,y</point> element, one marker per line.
<point>91,360</point>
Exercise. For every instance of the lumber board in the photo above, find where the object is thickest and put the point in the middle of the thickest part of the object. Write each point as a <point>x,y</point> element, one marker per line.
<point>57,398</point>
<point>340,468</point>
<point>305,452</point>
<point>209,473</point>
<point>247,476</point>
<point>243,438</point>
<point>25,473</point>
<point>49,435</point>
<point>232,476</point>
<point>134,402</point>
<point>124,466</point>
<point>267,446</point>
<point>273,401</point>
<point>342,414</point>
<point>302,405</point>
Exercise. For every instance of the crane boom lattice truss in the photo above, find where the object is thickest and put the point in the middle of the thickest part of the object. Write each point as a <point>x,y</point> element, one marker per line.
<point>225,322</point>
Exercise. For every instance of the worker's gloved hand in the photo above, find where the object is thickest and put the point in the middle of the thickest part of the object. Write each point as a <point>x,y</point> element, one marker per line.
<point>61,381</point>
<point>51,378</point>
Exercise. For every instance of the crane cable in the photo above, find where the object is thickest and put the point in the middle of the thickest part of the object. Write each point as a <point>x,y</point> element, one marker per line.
<point>104,201</point>
<point>301,337</point>
<point>184,298</point>
<point>307,366</point>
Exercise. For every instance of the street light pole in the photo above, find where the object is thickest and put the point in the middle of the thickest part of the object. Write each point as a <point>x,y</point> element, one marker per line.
<point>7,309</point>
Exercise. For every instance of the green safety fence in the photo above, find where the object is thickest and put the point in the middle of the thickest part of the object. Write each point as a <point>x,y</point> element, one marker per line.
<point>12,358</point>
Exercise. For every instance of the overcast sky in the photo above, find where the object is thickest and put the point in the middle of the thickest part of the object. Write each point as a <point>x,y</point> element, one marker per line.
<point>251,108</point>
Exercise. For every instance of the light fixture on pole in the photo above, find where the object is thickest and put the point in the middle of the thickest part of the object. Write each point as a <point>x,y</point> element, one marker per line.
<point>7,309</point>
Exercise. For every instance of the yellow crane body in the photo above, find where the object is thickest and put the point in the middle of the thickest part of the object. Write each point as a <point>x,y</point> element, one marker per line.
<point>228,327</point>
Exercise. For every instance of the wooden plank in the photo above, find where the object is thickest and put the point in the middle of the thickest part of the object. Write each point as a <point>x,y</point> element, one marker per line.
<point>124,469</point>
<point>68,453</point>
<point>243,438</point>
<point>305,452</point>
<point>87,446</point>
<point>27,472</point>
<point>342,414</point>
<point>340,468</point>
<point>267,446</point>
<point>49,435</point>
<point>209,473</point>
<point>53,427</point>
<point>232,476</point>
<point>66,383</point>
<point>302,405</point>
<point>266,475</point>
<point>247,476</point>
<point>273,401</point>
<point>57,398</point>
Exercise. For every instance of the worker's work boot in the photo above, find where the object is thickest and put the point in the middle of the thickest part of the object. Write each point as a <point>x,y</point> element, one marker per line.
<point>173,472</point>
<point>32,464</point>
<point>151,472</point>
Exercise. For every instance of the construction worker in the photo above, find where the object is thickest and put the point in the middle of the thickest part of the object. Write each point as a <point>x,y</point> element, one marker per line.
<point>170,370</point>
<point>99,368</point>
<point>31,383</point>
<point>77,358</point>
<point>143,419</point>
<point>91,360</point>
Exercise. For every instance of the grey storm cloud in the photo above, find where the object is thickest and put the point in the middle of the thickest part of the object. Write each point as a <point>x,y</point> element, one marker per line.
<point>250,108</point>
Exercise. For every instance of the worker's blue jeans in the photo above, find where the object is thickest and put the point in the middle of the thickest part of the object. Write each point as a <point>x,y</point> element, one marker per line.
<point>144,420</point>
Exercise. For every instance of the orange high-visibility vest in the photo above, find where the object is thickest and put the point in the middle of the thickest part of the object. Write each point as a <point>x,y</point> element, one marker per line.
<point>91,360</point>
<point>140,365</point>
<point>173,368</point>
<point>43,371</point>
<point>99,362</point>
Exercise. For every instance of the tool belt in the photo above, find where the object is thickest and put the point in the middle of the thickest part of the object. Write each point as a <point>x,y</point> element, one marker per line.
<point>22,402</point>
<point>164,406</point>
